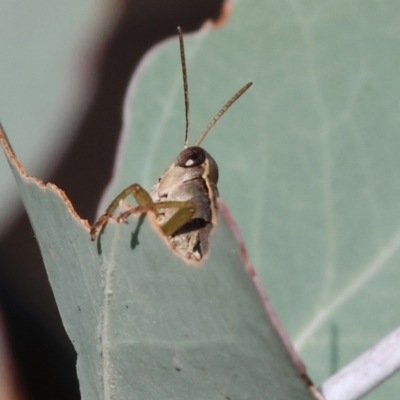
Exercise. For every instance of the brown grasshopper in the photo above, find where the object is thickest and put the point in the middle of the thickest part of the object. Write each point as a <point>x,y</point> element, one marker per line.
<point>184,197</point>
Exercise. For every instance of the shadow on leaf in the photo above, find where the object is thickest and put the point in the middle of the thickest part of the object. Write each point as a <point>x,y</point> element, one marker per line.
<point>135,234</point>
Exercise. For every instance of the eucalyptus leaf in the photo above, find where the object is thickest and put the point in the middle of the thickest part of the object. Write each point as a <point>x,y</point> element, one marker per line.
<point>309,158</point>
<point>41,44</point>
<point>147,325</point>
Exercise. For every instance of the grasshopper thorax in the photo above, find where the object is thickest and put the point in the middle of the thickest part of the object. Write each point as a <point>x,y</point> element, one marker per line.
<point>193,177</point>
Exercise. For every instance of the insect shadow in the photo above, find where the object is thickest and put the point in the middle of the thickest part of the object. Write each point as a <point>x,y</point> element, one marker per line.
<point>134,236</point>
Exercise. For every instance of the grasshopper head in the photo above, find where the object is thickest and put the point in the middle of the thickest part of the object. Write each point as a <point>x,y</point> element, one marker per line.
<point>198,163</point>
<point>178,181</point>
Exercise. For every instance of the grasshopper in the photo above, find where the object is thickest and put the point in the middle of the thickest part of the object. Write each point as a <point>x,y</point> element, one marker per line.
<point>184,197</point>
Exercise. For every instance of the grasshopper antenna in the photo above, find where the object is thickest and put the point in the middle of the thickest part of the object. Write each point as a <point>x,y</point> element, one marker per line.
<point>221,112</point>
<point>185,85</point>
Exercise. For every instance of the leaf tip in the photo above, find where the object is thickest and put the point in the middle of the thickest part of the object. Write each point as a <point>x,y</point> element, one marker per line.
<point>223,17</point>
<point>14,162</point>
<point>9,153</point>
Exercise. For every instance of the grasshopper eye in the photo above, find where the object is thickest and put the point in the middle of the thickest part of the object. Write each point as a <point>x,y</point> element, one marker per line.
<point>190,157</point>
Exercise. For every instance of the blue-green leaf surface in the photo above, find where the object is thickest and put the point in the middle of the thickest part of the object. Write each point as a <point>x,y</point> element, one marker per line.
<point>41,79</point>
<point>309,158</point>
<point>144,323</point>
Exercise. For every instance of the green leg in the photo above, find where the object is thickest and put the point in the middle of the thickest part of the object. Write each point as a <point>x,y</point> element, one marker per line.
<point>184,214</point>
<point>140,195</point>
<point>186,210</point>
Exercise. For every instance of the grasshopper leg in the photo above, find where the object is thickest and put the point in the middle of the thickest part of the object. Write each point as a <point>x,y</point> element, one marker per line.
<point>184,214</point>
<point>186,210</point>
<point>141,196</point>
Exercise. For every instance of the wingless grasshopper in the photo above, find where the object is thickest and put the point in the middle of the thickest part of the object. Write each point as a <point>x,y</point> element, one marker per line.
<point>184,197</point>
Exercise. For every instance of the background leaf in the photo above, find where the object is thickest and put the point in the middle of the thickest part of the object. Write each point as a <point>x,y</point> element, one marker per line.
<point>145,324</point>
<point>308,158</point>
<point>40,88</point>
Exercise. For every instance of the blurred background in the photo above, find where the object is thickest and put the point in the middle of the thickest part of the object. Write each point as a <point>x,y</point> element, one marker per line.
<point>310,173</point>
<point>63,76</point>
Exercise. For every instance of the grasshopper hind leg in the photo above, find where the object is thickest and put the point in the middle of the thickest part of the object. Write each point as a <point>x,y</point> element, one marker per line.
<point>141,196</point>
<point>184,213</point>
